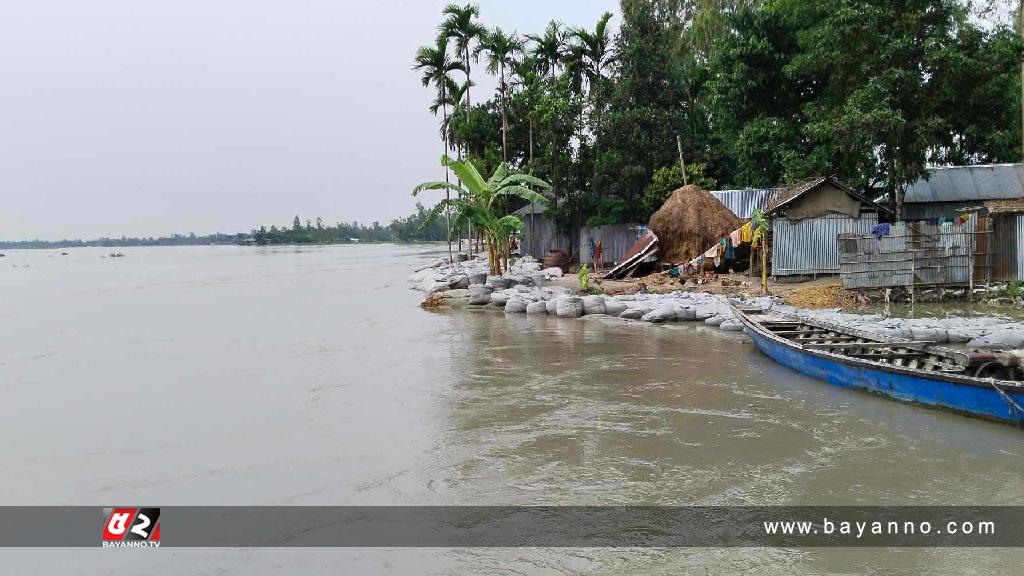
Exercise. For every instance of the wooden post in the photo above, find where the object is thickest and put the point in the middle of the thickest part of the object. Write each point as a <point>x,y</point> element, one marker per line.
<point>682,163</point>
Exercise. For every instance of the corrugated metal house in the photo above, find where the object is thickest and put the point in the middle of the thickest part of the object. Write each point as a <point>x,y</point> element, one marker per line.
<point>806,219</point>
<point>743,202</point>
<point>995,192</point>
<point>540,233</point>
<point>946,189</point>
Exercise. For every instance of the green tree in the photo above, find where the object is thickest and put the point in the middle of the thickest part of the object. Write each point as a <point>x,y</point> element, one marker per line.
<point>477,199</point>
<point>501,50</point>
<point>434,63</point>
<point>460,23</point>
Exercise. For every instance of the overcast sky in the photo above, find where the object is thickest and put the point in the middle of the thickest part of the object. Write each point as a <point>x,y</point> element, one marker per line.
<point>144,118</point>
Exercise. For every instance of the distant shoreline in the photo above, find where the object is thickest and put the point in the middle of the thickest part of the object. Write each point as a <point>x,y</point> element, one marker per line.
<point>58,246</point>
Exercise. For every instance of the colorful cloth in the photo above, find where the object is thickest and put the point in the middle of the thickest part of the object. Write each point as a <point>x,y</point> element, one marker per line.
<point>964,218</point>
<point>730,250</point>
<point>880,230</point>
<point>745,235</point>
<point>735,237</point>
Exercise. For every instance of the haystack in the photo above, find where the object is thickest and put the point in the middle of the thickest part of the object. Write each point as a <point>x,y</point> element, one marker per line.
<point>689,222</point>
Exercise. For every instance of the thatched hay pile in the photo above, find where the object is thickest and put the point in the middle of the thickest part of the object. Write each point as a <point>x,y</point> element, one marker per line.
<point>690,222</point>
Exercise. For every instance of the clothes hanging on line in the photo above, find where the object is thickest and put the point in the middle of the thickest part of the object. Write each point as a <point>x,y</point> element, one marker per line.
<point>730,250</point>
<point>880,230</point>
<point>735,237</point>
<point>745,235</point>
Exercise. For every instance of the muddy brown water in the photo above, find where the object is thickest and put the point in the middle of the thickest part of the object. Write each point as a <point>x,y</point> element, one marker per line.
<point>307,375</point>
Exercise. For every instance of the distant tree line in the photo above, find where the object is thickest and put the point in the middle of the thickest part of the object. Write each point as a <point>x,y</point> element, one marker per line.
<point>408,229</point>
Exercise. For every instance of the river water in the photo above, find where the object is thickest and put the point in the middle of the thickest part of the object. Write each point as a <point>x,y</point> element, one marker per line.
<point>308,375</point>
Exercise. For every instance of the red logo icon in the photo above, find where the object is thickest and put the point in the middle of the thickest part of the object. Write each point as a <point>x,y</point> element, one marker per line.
<point>131,527</point>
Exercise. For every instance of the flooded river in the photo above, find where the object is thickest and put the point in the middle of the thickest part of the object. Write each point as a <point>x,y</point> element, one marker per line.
<point>308,375</point>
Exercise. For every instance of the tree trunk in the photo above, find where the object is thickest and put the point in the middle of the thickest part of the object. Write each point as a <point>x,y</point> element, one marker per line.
<point>468,82</point>
<point>504,118</point>
<point>447,191</point>
<point>533,205</point>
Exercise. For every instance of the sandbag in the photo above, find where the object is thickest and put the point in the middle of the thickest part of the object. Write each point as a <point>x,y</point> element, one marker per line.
<point>477,277</point>
<point>929,334</point>
<point>480,294</point>
<point>593,305</point>
<point>569,307</point>
<point>458,281</point>
<point>515,304</point>
<point>685,313</point>
<point>553,272</point>
<point>705,312</point>
<point>731,325</point>
<point>613,307</point>
<point>499,298</point>
<point>551,306</point>
<point>536,308</point>
<point>663,314</point>
<point>715,320</point>
<point>497,282</point>
<point>632,314</point>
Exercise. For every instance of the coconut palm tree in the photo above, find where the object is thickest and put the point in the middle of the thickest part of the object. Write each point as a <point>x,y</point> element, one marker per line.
<point>459,23</point>
<point>476,202</point>
<point>589,54</point>
<point>436,66</point>
<point>501,50</point>
<point>548,49</point>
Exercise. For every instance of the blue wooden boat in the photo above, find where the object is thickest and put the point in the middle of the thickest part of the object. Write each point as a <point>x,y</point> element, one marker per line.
<point>981,384</point>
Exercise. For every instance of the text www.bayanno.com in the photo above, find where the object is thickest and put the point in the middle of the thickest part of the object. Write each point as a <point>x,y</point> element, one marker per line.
<point>859,529</point>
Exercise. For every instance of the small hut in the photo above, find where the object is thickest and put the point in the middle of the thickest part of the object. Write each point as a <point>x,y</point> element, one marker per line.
<point>807,217</point>
<point>689,222</point>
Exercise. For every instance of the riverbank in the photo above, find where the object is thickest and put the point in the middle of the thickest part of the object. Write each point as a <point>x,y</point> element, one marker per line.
<point>528,288</point>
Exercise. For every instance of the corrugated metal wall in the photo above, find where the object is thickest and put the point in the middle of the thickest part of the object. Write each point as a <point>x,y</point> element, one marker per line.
<point>1007,257</point>
<point>615,241</point>
<point>743,202</point>
<point>935,210</point>
<point>809,246</point>
<point>915,254</point>
<point>1016,247</point>
<point>540,235</point>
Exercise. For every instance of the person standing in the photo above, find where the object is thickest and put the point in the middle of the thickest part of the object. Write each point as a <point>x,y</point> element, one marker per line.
<point>598,264</point>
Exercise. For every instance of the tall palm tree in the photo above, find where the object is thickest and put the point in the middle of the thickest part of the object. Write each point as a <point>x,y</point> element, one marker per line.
<point>460,23</point>
<point>548,49</point>
<point>501,50</point>
<point>436,66</point>
<point>475,201</point>
<point>592,53</point>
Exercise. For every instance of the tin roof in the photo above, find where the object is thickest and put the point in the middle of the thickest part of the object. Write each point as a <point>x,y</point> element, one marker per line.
<point>743,202</point>
<point>959,183</point>
<point>787,194</point>
<point>1005,206</point>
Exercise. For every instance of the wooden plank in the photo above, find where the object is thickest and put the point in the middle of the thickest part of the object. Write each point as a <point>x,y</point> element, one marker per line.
<point>912,345</point>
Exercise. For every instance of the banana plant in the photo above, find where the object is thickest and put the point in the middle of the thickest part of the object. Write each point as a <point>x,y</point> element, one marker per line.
<point>475,202</point>
<point>759,237</point>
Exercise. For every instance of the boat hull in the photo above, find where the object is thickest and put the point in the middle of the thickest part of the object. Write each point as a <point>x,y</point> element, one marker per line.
<point>969,399</point>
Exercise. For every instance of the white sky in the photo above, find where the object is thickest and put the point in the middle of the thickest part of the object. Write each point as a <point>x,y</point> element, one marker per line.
<point>144,117</point>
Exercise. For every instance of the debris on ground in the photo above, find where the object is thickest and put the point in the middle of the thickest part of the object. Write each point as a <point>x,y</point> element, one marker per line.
<point>821,296</point>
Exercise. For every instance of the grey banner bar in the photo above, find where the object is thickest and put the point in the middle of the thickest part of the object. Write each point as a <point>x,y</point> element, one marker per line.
<point>528,526</point>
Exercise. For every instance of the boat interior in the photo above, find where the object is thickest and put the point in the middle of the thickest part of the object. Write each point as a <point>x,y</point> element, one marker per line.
<point>917,355</point>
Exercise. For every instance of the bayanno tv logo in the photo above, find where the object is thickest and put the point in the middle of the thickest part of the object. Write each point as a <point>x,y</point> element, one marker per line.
<point>131,528</point>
